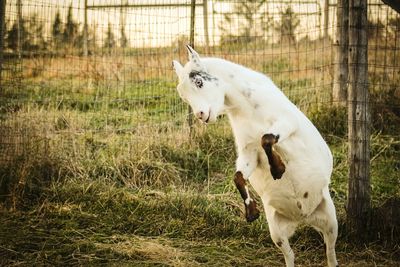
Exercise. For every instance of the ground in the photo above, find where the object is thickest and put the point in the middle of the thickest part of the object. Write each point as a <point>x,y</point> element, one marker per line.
<point>99,172</point>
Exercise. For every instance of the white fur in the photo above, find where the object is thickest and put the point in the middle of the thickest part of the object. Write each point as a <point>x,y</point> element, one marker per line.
<point>255,106</point>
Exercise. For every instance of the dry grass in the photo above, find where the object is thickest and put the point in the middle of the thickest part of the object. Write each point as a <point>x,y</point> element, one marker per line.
<point>97,166</point>
<point>146,249</point>
<point>91,224</point>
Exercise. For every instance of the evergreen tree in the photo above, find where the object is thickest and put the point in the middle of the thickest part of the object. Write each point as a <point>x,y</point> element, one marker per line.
<point>288,24</point>
<point>92,39</point>
<point>35,34</point>
<point>71,29</point>
<point>109,41</point>
<point>254,21</point>
<point>12,37</point>
<point>57,31</point>
<point>31,35</point>
<point>394,26</point>
<point>123,41</point>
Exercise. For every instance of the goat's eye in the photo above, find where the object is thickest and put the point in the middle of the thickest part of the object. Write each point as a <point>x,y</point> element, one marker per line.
<point>198,83</point>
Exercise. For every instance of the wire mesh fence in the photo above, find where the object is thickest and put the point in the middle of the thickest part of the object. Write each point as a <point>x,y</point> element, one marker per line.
<point>79,75</point>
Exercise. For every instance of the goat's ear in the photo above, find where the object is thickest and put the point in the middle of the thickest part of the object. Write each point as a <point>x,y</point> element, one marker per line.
<point>193,55</point>
<point>195,59</point>
<point>178,68</point>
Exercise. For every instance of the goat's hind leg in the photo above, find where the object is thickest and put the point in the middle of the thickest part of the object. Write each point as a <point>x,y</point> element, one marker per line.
<point>323,219</point>
<point>281,229</point>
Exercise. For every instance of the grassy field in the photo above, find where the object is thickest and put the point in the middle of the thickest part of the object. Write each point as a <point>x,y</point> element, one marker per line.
<point>96,171</point>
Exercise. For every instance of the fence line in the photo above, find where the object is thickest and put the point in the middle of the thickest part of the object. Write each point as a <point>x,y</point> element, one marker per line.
<point>107,70</point>
<point>2,29</point>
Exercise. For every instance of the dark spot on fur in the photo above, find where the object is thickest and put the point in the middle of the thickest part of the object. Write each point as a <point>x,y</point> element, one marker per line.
<point>231,76</point>
<point>305,195</point>
<point>256,106</point>
<point>331,230</point>
<point>228,101</point>
<point>204,75</point>
<point>248,92</point>
<point>279,243</point>
<point>192,74</point>
<point>198,77</point>
<point>299,205</point>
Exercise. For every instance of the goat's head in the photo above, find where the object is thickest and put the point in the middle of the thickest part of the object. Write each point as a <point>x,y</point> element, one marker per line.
<point>201,90</point>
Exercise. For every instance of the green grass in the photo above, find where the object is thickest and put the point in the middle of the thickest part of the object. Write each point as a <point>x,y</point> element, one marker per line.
<point>93,222</point>
<point>141,101</point>
<point>97,210</point>
<point>100,175</point>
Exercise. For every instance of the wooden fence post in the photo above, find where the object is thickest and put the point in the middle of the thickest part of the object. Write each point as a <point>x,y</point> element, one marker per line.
<point>85,30</point>
<point>191,42</point>
<point>205,20</point>
<point>192,21</point>
<point>20,27</point>
<point>358,203</point>
<point>2,35</point>
<point>341,72</point>
<point>326,19</point>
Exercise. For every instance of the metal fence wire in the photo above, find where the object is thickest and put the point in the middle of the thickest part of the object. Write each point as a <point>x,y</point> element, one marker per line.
<point>77,73</point>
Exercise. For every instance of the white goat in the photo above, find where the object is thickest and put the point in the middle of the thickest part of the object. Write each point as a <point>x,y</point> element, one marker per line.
<point>280,151</point>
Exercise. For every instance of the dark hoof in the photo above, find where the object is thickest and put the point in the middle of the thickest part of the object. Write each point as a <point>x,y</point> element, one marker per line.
<point>252,218</point>
<point>252,213</point>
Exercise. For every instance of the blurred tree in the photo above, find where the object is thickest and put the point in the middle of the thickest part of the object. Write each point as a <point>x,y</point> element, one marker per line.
<point>394,26</point>
<point>92,38</point>
<point>71,29</point>
<point>248,13</point>
<point>123,40</point>
<point>31,34</point>
<point>79,40</point>
<point>109,41</point>
<point>376,30</point>
<point>57,31</point>
<point>35,34</point>
<point>12,37</point>
<point>287,25</point>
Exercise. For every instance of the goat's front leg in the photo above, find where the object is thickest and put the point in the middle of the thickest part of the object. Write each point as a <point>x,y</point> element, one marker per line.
<point>276,165</point>
<point>245,165</point>
<point>279,131</point>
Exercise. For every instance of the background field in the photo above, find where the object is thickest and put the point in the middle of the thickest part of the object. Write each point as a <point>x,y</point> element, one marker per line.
<point>98,165</point>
